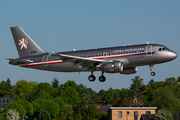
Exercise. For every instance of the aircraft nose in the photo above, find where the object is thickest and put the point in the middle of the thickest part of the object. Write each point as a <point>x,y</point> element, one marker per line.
<point>172,55</point>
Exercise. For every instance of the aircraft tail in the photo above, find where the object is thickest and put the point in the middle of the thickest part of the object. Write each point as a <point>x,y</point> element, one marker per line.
<point>24,44</point>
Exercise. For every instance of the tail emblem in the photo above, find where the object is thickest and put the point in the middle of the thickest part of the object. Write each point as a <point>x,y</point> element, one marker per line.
<point>23,43</point>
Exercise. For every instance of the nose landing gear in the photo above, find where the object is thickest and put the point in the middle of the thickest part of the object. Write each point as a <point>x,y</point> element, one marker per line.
<point>151,68</point>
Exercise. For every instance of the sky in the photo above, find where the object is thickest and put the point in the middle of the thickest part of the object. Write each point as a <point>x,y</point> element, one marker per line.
<point>59,25</point>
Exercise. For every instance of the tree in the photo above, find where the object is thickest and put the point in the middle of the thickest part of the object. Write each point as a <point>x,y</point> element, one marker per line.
<point>165,99</point>
<point>135,86</point>
<point>48,88</point>
<point>16,106</point>
<point>81,89</point>
<point>3,91</point>
<point>60,102</point>
<point>151,82</point>
<point>124,93</point>
<point>46,105</point>
<point>111,96</point>
<point>23,88</point>
<point>163,115</point>
<point>2,114</point>
<point>70,96</point>
<point>68,109</point>
<point>8,88</point>
<point>90,112</point>
<point>28,107</point>
<point>55,83</point>
<point>12,114</point>
<point>44,95</point>
<point>51,107</point>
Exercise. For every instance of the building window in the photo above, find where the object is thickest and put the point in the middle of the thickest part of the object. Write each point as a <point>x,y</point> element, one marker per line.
<point>128,112</point>
<point>0,101</point>
<point>119,114</point>
<point>4,101</point>
<point>135,112</point>
<point>7,101</point>
<point>148,112</point>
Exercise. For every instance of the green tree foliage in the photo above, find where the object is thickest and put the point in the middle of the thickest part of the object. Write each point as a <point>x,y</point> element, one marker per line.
<point>16,106</point>
<point>111,96</point>
<point>82,90</point>
<point>48,105</point>
<point>51,107</point>
<point>8,88</point>
<point>2,114</point>
<point>124,93</point>
<point>3,91</point>
<point>48,88</point>
<point>70,96</point>
<point>44,95</point>
<point>68,109</point>
<point>28,107</point>
<point>90,113</point>
<point>60,102</point>
<point>135,86</point>
<point>55,83</point>
<point>103,116</point>
<point>22,88</point>
<point>163,115</point>
<point>165,99</point>
<point>37,107</point>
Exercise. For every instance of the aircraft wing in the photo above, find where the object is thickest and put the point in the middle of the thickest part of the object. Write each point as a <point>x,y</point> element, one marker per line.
<point>78,60</point>
<point>19,60</point>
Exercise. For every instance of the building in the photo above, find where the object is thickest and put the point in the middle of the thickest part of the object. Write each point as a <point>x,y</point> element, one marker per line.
<point>5,101</point>
<point>129,113</point>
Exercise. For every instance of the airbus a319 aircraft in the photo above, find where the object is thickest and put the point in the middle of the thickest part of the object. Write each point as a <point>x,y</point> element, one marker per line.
<point>121,59</point>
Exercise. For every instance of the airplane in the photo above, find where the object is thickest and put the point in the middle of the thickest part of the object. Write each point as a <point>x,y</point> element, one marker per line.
<point>121,59</point>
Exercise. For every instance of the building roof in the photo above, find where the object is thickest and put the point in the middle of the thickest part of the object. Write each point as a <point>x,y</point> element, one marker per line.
<point>131,108</point>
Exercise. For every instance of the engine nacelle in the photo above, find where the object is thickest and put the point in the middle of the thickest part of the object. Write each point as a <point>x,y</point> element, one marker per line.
<point>129,70</point>
<point>112,67</point>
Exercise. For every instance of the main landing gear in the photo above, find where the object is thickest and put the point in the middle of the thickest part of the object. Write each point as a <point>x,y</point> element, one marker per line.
<point>151,68</point>
<point>92,78</point>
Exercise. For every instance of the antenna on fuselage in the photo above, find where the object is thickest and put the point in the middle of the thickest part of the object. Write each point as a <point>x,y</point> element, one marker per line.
<point>147,42</point>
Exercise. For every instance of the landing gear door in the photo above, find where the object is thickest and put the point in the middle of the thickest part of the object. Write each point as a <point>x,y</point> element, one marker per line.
<point>45,60</point>
<point>149,50</point>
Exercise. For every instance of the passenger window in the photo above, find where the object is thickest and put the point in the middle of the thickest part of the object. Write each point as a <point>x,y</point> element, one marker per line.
<point>159,49</point>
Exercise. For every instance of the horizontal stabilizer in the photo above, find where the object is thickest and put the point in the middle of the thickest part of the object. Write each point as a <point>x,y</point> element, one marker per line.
<point>19,60</point>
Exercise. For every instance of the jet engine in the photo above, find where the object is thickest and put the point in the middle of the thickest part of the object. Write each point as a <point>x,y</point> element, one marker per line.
<point>112,67</point>
<point>129,70</point>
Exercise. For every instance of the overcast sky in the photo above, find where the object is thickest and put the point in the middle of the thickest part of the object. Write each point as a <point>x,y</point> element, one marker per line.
<point>75,24</point>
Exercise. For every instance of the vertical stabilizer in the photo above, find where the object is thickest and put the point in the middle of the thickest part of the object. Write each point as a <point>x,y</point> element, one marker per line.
<point>24,44</point>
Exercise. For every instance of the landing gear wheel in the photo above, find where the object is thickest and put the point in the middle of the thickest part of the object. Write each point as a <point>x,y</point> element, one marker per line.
<point>91,78</point>
<point>153,73</point>
<point>102,78</point>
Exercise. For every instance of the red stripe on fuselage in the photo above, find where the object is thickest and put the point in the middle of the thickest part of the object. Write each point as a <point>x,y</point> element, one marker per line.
<point>55,62</point>
<point>44,63</point>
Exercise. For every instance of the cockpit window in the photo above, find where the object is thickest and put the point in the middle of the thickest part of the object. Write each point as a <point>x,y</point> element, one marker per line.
<point>162,49</point>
